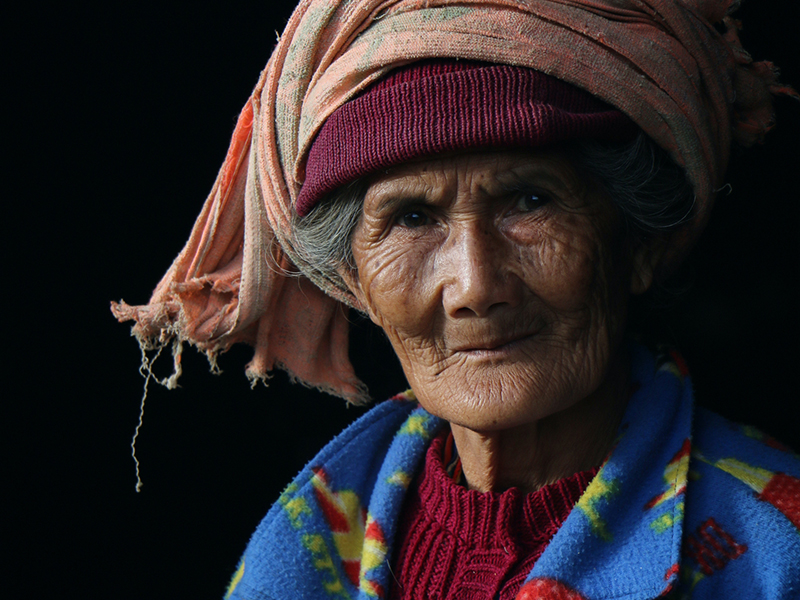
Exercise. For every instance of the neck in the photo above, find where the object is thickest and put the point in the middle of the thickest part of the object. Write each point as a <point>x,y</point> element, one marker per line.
<point>536,454</point>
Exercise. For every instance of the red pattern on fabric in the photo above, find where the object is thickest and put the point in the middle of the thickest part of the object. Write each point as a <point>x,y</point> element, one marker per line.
<point>773,443</point>
<point>352,569</point>
<point>333,514</point>
<point>671,573</point>
<point>374,532</point>
<point>376,589</point>
<point>683,369</point>
<point>783,492</point>
<point>711,547</point>
<point>686,450</point>
<point>547,589</point>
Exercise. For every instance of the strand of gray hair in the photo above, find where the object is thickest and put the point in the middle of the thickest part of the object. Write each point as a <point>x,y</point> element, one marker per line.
<point>649,189</point>
<point>323,238</point>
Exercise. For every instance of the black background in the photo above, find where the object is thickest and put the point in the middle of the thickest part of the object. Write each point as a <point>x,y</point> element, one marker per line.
<point>119,117</point>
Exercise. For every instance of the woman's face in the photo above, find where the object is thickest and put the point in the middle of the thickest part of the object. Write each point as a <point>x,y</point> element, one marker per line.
<point>500,279</point>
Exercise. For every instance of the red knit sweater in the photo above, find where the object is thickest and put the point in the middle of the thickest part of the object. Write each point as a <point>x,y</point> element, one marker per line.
<point>459,543</point>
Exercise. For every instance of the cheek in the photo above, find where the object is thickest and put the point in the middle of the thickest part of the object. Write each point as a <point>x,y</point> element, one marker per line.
<point>577,271</point>
<point>402,298</point>
<point>565,267</point>
<point>397,285</point>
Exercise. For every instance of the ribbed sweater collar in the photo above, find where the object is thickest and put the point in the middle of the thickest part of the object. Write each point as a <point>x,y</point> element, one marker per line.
<point>495,519</point>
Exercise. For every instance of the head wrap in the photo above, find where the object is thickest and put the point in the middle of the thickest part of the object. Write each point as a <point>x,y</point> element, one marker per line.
<point>691,87</point>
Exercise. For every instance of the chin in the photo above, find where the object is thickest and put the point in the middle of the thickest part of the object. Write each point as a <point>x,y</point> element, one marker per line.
<point>492,397</point>
<point>536,380</point>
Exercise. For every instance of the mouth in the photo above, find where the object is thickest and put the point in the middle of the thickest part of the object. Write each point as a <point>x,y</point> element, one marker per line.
<point>495,346</point>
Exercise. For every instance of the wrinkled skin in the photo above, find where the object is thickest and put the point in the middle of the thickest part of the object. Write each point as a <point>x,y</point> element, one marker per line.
<point>501,280</point>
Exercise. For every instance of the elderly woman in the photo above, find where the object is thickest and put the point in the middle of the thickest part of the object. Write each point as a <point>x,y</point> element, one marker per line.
<point>490,183</point>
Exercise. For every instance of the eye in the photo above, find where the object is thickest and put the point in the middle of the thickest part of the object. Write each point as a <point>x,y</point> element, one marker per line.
<point>413,219</point>
<point>531,201</point>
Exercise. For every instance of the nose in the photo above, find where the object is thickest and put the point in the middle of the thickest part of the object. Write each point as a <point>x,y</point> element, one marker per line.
<point>478,271</point>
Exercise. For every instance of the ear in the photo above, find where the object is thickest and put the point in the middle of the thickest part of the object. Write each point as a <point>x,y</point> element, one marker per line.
<point>647,256</point>
<point>353,283</point>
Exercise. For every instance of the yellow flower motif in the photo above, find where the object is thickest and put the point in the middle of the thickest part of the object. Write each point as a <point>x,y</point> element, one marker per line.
<point>599,489</point>
<point>400,478</point>
<point>415,425</point>
<point>323,562</point>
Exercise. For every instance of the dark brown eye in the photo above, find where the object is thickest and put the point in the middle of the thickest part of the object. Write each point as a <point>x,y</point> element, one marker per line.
<point>413,219</point>
<point>531,201</point>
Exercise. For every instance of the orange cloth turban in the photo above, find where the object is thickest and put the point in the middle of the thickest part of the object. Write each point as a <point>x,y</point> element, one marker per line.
<point>689,85</point>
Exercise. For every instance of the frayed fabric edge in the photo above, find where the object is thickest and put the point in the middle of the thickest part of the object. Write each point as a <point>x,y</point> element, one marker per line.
<point>361,397</point>
<point>146,370</point>
<point>154,339</point>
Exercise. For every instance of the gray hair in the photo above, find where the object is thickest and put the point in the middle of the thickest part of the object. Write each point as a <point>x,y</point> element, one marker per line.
<point>651,192</point>
<point>649,189</point>
<point>323,238</point>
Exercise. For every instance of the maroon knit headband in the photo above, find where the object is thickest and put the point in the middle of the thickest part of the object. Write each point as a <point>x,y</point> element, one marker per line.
<point>444,106</point>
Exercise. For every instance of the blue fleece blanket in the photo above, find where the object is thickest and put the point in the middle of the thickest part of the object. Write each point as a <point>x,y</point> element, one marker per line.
<point>687,505</point>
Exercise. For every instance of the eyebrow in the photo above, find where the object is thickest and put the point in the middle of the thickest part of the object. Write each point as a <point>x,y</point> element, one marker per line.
<point>390,202</point>
<point>407,192</point>
<point>530,176</point>
<point>399,193</point>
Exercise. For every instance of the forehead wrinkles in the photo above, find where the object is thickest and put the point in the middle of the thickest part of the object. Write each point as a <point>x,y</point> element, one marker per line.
<point>489,173</point>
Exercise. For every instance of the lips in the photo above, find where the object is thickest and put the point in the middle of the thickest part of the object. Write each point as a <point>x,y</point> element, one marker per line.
<point>492,344</point>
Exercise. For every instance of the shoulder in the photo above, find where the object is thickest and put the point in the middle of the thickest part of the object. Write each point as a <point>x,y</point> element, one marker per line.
<point>742,520</point>
<point>742,458</point>
<point>308,545</point>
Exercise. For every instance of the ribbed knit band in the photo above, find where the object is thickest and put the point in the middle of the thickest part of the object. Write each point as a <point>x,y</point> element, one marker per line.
<point>471,544</point>
<point>447,106</point>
